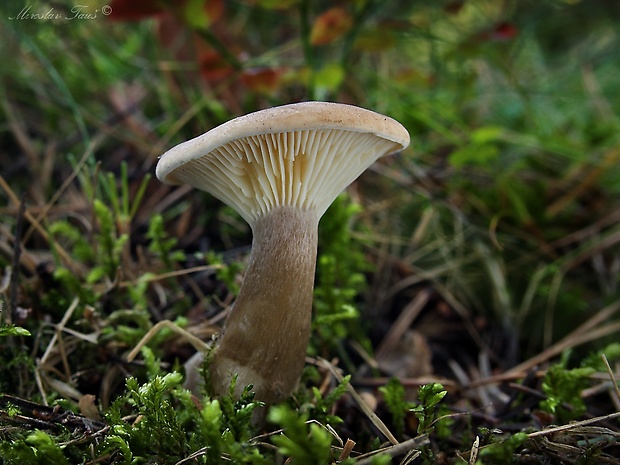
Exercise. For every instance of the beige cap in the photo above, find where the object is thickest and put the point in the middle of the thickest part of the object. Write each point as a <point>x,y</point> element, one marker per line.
<point>302,154</point>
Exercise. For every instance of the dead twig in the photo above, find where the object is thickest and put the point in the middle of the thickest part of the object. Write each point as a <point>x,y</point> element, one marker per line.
<point>396,449</point>
<point>17,249</point>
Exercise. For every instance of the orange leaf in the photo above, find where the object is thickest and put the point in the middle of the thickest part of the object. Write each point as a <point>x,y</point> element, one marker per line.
<point>330,26</point>
<point>500,32</point>
<point>505,31</point>
<point>262,80</point>
<point>213,67</point>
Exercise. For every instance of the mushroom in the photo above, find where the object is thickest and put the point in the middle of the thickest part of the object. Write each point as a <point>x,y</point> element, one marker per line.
<point>280,169</point>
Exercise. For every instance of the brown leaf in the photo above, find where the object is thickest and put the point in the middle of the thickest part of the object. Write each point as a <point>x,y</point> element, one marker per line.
<point>410,358</point>
<point>88,407</point>
<point>262,80</point>
<point>330,26</point>
<point>213,67</point>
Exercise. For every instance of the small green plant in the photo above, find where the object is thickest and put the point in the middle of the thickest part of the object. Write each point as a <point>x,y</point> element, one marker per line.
<point>501,450</point>
<point>429,397</point>
<point>227,272</point>
<point>161,245</point>
<point>12,358</point>
<point>12,330</point>
<point>36,448</point>
<point>110,244</point>
<point>428,409</point>
<point>104,249</point>
<point>320,407</point>
<point>595,360</point>
<point>340,279</point>
<point>113,208</point>
<point>563,387</point>
<point>123,204</point>
<point>173,425</point>
<point>394,397</point>
<point>306,442</point>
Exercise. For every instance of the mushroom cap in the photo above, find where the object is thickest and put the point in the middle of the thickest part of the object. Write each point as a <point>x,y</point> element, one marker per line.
<point>302,154</point>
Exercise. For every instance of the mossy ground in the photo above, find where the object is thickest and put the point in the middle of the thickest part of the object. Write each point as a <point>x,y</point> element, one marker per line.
<point>469,286</point>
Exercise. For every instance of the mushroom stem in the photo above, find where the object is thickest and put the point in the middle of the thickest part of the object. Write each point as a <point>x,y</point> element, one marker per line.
<point>265,337</point>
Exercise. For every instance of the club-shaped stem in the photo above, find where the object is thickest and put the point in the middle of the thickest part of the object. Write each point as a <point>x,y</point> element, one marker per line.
<point>265,338</point>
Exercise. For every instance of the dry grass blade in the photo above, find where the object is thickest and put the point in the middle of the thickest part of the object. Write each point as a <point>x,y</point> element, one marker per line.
<point>372,416</point>
<point>172,274</point>
<point>62,253</point>
<point>473,454</point>
<point>198,343</point>
<point>20,132</point>
<point>588,331</point>
<point>396,449</point>
<point>400,326</point>
<point>42,363</point>
<point>587,181</point>
<point>80,164</point>
<point>612,377</point>
<point>606,242</point>
<point>588,231</point>
<point>59,327</point>
<point>574,425</point>
<point>193,456</point>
